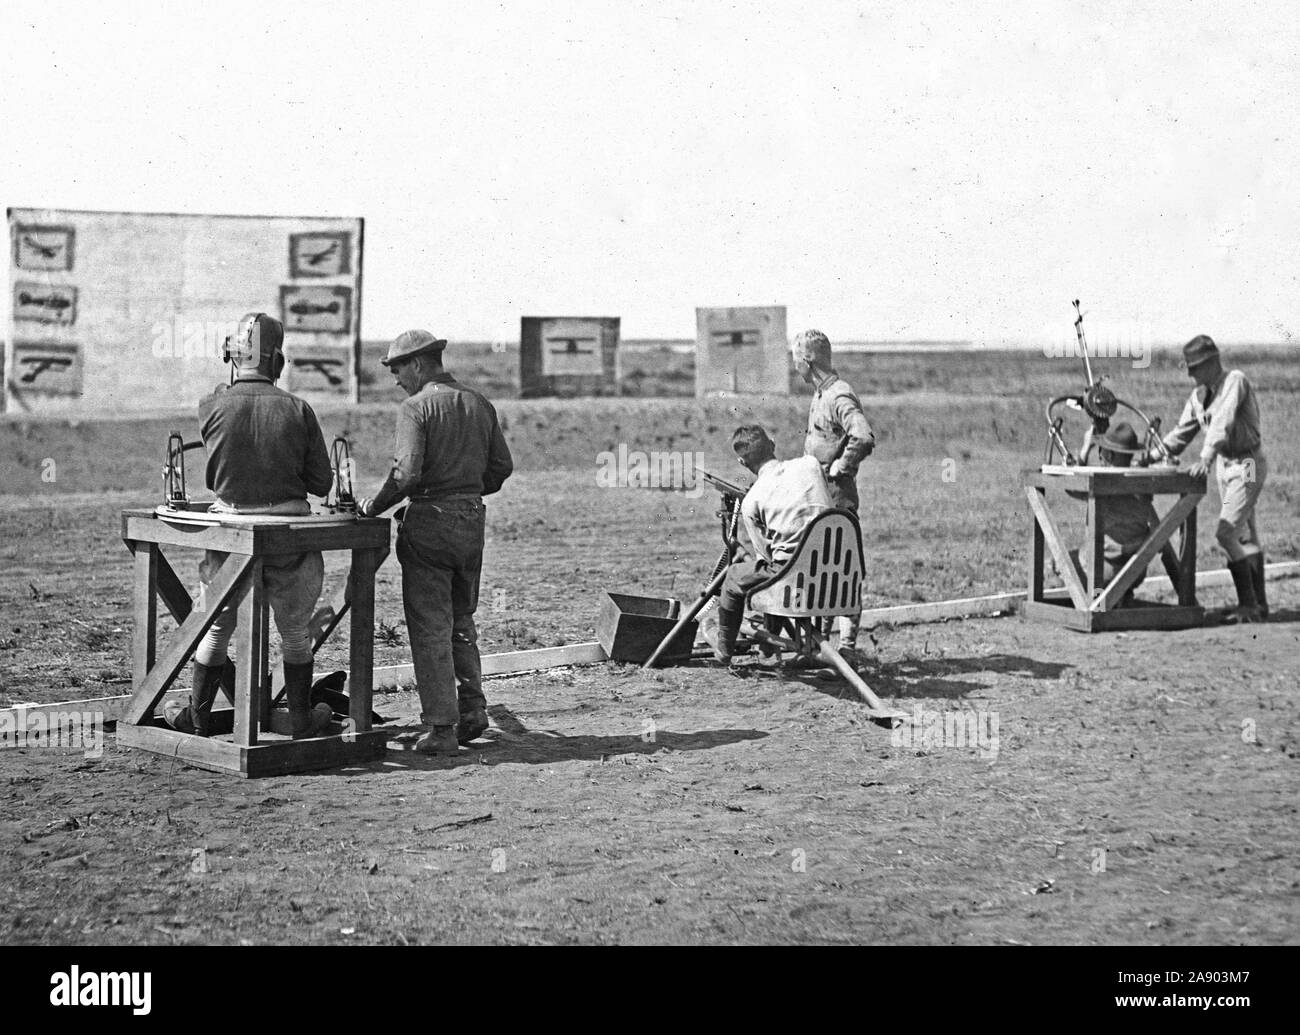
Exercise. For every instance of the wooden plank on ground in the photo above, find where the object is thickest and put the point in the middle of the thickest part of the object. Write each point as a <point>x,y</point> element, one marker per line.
<point>513,661</point>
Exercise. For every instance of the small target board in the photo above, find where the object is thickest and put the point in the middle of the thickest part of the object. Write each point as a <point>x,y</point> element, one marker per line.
<point>326,369</point>
<point>319,308</point>
<point>47,368</point>
<point>571,347</point>
<point>320,254</point>
<point>568,355</point>
<point>741,350</point>
<point>44,248</point>
<point>44,303</point>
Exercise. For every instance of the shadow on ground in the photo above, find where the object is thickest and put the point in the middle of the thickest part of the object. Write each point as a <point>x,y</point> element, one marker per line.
<point>509,740</point>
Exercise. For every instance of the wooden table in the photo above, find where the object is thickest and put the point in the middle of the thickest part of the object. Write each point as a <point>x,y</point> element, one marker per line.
<point>1089,604</point>
<point>248,539</point>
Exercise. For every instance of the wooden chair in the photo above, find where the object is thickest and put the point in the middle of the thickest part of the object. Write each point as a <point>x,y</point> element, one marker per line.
<point>823,578</point>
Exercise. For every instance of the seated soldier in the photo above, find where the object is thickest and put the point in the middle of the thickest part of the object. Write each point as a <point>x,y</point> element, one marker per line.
<point>265,454</point>
<point>786,496</point>
<point>1126,520</point>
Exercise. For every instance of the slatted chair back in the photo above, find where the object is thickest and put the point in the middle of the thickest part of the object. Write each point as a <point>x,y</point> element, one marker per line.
<point>823,578</point>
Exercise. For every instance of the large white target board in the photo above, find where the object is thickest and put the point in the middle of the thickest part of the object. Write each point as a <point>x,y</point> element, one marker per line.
<point>120,312</point>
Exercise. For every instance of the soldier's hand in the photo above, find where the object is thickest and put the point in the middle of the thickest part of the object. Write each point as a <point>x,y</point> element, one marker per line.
<point>366,506</point>
<point>1199,469</point>
<point>839,468</point>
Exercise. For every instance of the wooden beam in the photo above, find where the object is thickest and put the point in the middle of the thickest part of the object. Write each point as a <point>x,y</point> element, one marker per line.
<point>361,656</point>
<point>1001,603</point>
<point>506,664</point>
<point>250,666</point>
<point>941,610</point>
<point>1138,563</point>
<point>1052,535</point>
<point>151,687</point>
<point>144,633</point>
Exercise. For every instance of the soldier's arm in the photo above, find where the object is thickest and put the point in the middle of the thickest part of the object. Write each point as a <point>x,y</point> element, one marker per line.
<point>1184,431</point>
<point>500,464</point>
<point>408,460</point>
<point>1225,414</point>
<point>859,438</point>
<point>754,528</point>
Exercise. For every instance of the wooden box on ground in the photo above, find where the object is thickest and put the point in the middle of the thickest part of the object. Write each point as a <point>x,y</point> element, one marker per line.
<point>631,627</point>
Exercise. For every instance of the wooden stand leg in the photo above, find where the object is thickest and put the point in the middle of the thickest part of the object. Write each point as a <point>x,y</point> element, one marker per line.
<point>250,666</point>
<point>1096,572</point>
<point>264,691</point>
<point>1187,590</point>
<point>361,659</point>
<point>144,640</point>
<point>1036,560</point>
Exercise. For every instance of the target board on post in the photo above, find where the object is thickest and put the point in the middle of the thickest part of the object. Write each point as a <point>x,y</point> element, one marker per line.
<point>568,356</point>
<point>742,351</point>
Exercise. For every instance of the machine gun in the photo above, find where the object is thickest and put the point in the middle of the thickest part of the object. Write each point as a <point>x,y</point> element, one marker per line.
<point>1100,404</point>
<point>733,492</point>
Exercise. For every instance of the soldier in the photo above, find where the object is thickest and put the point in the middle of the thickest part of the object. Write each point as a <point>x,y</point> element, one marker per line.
<point>265,454</point>
<point>838,433</point>
<point>450,454</point>
<point>1223,404</point>
<point>786,496</point>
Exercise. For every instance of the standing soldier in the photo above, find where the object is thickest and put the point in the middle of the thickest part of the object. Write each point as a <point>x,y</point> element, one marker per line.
<point>838,433</point>
<point>1223,405</point>
<point>450,454</point>
<point>265,454</point>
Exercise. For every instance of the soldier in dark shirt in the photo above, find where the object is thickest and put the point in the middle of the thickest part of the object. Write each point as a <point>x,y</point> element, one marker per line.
<point>450,454</point>
<point>265,454</point>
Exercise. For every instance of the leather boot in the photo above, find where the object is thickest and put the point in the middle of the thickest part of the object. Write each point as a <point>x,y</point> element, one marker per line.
<point>304,720</point>
<point>1247,609</point>
<point>203,691</point>
<point>228,680</point>
<point>1259,580</point>
<point>728,630</point>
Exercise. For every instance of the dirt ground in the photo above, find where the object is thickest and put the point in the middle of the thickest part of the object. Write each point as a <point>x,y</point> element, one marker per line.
<point>1133,788</point>
<point>1118,804</point>
<point>1140,789</point>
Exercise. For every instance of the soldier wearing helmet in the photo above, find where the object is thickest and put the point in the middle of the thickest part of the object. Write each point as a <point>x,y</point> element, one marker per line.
<point>266,453</point>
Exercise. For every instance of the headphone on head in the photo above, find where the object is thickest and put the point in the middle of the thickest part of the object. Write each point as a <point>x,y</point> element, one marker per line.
<point>245,345</point>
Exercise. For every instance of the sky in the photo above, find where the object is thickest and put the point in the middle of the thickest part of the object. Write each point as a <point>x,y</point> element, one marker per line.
<point>950,170</point>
